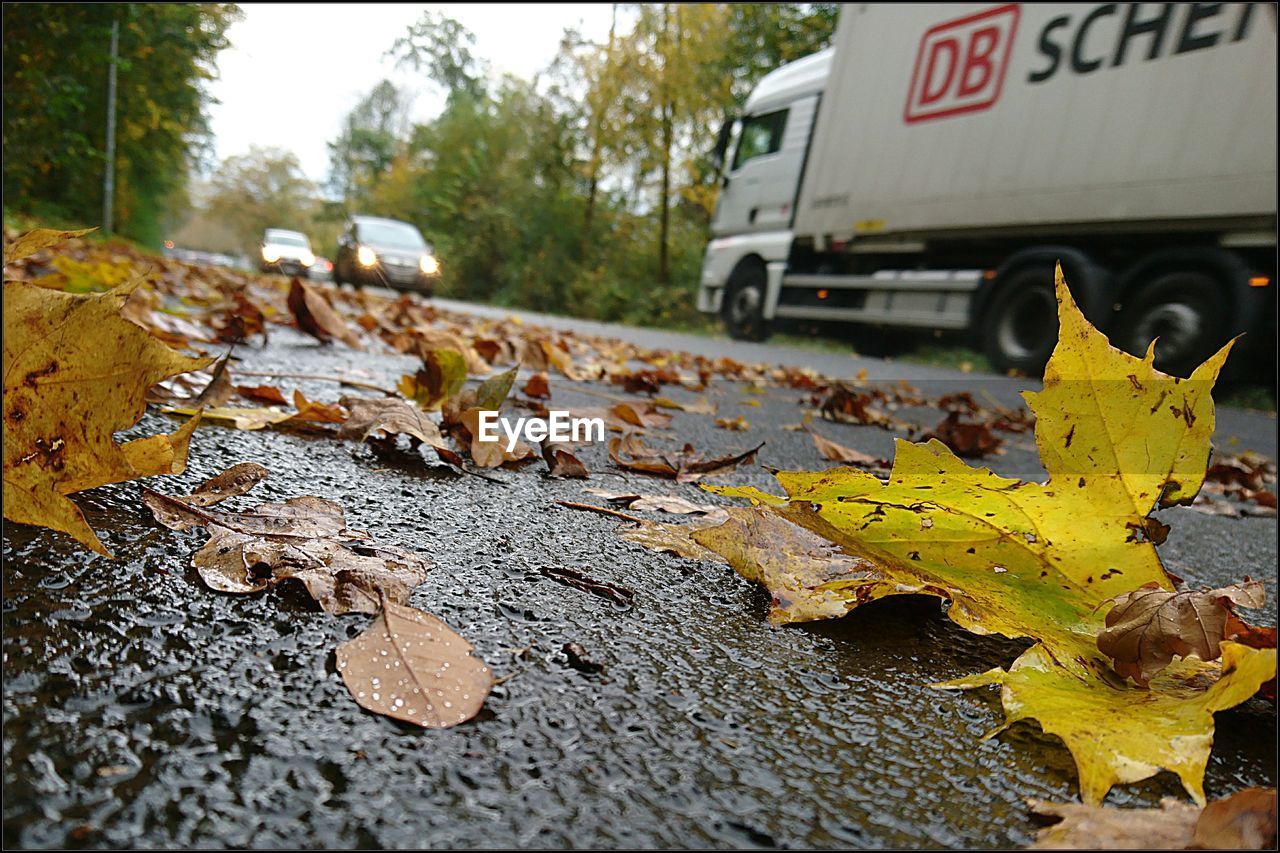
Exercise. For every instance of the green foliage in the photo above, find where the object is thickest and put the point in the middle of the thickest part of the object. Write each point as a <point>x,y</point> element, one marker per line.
<point>56,58</point>
<point>588,191</point>
<point>262,189</point>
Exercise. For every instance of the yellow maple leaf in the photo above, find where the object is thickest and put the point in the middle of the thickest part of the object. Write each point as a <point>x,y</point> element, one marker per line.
<point>1025,559</point>
<point>75,373</point>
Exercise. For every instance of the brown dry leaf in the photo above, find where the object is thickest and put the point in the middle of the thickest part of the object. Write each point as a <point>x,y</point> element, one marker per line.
<point>490,454</point>
<point>317,412</point>
<point>306,539</point>
<point>655,503</point>
<point>241,321</point>
<point>76,373</point>
<point>1081,827</point>
<point>700,406</point>
<point>233,482</point>
<point>316,316</point>
<point>641,415</point>
<point>37,239</point>
<point>373,417</point>
<point>537,386</point>
<point>808,577</point>
<point>967,439</point>
<point>738,424</point>
<point>241,418</point>
<point>673,538</point>
<point>839,453</point>
<point>261,393</point>
<point>1150,626</point>
<point>1245,820</point>
<point>411,666</point>
<point>631,453</point>
<point>844,405</point>
<point>562,463</point>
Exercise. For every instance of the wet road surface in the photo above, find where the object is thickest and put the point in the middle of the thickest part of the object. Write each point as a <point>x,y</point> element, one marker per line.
<point>142,708</point>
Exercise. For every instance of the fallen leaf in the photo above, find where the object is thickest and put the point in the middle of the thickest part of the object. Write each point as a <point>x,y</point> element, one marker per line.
<point>37,239</point>
<point>443,373</point>
<point>316,317</point>
<point>305,539</point>
<point>686,467</point>
<point>844,405</point>
<point>249,418</point>
<point>738,424</point>
<point>373,417</point>
<point>839,453</point>
<point>411,666</point>
<point>537,386</point>
<point>233,482</point>
<point>1246,820</point>
<point>316,412</point>
<point>1083,827</point>
<point>619,595</point>
<point>967,439</point>
<point>1035,560</point>
<point>76,373</point>
<point>1149,627</point>
<point>261,393</point>
<point>580,659</point>
<point>562,463</point>
<point>640,414</point>
<point>809,577</point>
<point>655,503</point>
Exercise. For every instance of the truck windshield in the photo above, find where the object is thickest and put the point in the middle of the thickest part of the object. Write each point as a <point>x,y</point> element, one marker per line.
<point>760,135</point>
<point>284,238</point>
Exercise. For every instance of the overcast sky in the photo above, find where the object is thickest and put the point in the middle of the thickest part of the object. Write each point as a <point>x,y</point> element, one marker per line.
<point>294,71</point>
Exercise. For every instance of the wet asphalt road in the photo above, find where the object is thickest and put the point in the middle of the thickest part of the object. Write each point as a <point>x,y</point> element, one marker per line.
<point>142,708</point>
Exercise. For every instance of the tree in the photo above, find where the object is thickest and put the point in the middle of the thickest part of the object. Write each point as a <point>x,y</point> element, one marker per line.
<point>442,47</point>
<point>763,36</point>
<point>265,188</point>
<point>55,69</point>
<point>368,142</point>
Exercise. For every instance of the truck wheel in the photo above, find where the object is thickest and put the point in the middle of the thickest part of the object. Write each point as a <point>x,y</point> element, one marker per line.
<point>1021,326</point>
<point>1184,312</point>
<point>743,308</point>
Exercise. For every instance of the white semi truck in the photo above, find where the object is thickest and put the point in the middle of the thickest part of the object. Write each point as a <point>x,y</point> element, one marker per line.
<point>928,170</point>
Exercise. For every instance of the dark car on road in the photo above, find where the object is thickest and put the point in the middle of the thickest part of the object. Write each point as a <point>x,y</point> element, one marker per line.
<point>387,253</point>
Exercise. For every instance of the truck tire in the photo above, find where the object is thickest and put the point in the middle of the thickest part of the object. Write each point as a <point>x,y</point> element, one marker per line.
<point>1184,312</point>
<point>743,309</point>
<point>1020,328</point>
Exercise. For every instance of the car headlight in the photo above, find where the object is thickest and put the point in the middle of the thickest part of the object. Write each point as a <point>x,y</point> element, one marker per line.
<point>366,256</point>
<point>270,255</point>
<point>429,265</point>
<point>307,259</point>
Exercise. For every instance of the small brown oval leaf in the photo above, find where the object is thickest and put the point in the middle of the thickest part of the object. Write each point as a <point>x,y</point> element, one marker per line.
<point>411,666</point>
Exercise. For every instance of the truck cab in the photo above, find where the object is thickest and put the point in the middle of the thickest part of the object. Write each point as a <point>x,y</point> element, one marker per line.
<point>763,161</point>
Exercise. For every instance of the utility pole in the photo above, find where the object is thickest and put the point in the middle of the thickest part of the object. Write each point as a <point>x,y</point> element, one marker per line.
<point>109,179</point>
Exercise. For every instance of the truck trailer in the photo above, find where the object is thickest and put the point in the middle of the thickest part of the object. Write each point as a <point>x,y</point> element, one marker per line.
<point>929,169</point>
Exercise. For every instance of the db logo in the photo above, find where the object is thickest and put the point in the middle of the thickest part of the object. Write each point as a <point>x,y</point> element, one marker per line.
<point>961,65</point>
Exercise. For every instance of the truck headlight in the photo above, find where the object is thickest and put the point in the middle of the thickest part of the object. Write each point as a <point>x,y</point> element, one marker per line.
<point>307,259</point>
<point>366,256</point>
<point>428,264</point>
<point>270,255</point>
